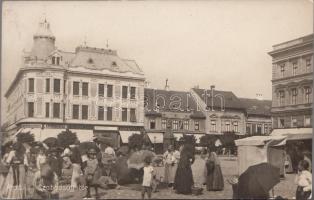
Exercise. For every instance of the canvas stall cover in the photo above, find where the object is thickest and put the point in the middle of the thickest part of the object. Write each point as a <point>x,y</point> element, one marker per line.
<point>254,150</point>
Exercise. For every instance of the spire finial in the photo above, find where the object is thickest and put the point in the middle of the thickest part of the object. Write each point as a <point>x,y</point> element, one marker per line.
<point>166,86</point>
<point>85,41</point>
<point>107,44</point>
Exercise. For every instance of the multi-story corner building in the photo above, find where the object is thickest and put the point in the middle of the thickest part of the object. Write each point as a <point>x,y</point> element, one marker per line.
<point>91,91</point>
<point>292,81</point>
<point>223,110</point>
<point>174,109</point>
<point>258,116</point>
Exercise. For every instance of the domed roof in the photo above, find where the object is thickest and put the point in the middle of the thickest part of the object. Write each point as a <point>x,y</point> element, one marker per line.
<point>44,30</point>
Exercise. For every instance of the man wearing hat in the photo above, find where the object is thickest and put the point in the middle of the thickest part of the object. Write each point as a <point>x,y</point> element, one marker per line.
<point>92,172</point>
<point>54,161</point>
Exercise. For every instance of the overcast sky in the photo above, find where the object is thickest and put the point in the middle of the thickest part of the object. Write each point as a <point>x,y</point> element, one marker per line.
<point>222,43</point>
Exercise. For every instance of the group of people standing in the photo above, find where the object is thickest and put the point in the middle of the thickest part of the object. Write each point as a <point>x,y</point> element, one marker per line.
<point>178,169</point>
<point>27,174</point>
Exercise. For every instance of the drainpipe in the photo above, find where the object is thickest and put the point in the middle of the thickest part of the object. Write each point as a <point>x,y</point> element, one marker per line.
<point>212,87</point>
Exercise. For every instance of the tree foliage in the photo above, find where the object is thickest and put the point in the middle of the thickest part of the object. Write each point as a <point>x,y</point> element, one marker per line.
<point>26,137</point>
<point>66,138</point>
<point>136,141</point>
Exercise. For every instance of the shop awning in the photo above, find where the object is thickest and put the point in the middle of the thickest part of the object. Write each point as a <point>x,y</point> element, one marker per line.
<point>294,133</point>
<point>126,134</point>
<point>178,135</point>
<point>156,137</point>
<point>261,140</point>
<point>197,137</point>
<point>83,135</point>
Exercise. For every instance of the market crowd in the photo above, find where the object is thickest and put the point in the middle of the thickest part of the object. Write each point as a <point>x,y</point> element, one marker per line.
<point>40,171</point>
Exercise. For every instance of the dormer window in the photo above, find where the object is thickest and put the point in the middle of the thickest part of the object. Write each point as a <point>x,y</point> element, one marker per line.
<point>114,64</point>
<point>90,61</point>
<point>56,60</point>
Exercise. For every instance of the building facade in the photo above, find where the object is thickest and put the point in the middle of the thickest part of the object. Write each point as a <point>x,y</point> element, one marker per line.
<point>176,110</point>
<point>91,91</point>
<point>258,116</point>
<point>223,110</point>
<point>292,81</point>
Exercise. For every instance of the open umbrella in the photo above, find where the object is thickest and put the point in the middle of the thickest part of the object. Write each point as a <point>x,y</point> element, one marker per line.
<point>51,142</point>
<point>85,146</point>
<point>136,160</point>
<point>257,180</point>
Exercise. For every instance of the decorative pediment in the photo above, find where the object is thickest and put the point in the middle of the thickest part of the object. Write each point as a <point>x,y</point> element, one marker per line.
<point>213,116</point>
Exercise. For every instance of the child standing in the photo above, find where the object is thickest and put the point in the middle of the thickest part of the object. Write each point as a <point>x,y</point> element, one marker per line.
<point>304,181</point>
<point>149,174</point>
<point>91,172</point>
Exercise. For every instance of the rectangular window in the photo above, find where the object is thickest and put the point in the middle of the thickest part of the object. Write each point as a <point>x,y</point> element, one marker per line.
<point>307,121</point>
<point>75,112</point>
<point>101,90</point>
<point>76,88</point>
<point>281,97</point>
<point>124,92</point>
<point>56,110</point>
<point>235,127</point>
<point>58,60</point>
<point>84,112</point>
<point>85,89</point>
<point>266,129</point>
<point>294,94</point>
<point>282,70</point>
<point>30,109</point>
<point>294,68</point>
<point>294,122</point>
<point>180,125</point>
<point>259,129</point>
<point>64,86</point>
<point>47,84</point>
<point>186,124</point>
<point>281,123</point>
<point>227,126</point>
<point>133,115</point>
<point>152,124</point>
<point>307,93</point>
<point>197,125</point>
<point>109,90</point>
<point>56,85</point>
<point>31,85</point>
<point>100,113</point>
<point>213,125</point>
<point>47,110</point>
<point>308,64</point>
<point>175,124</point>
<point>164,124</point>
<point>248,129</point>
<point>124,114</point>
<point>133,92</point>
<point>53,60</point>
<point>109,113</point>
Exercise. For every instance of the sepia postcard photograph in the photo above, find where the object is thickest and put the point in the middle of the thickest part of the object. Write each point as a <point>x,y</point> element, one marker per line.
<point>156,99</point>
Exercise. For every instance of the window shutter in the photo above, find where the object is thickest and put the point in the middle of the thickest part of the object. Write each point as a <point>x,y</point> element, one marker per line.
<point>93,89</point>
<point>69,87</point>
<point>93,113</point>
<point>39,106</point>
<point>117,91</point>
<point>39,84</point>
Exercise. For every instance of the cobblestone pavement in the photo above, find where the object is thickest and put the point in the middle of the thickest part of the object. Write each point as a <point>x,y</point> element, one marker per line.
<point>285,188</point>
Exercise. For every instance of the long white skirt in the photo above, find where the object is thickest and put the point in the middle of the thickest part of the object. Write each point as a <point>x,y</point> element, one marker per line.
<point>75,175</point>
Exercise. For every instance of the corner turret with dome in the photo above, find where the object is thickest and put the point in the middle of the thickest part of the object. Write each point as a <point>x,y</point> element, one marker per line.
<point>91,91</point>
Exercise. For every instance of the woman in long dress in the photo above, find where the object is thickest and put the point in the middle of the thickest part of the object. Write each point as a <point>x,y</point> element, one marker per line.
<point>170,165</point>
<point>4,169</point>
<point>15,187</point>
<point>214,178</point>
<point>183,181</point>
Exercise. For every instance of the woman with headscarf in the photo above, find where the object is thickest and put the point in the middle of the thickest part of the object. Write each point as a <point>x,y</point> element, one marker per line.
<point>214,178</point>
<point>183,180</point>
